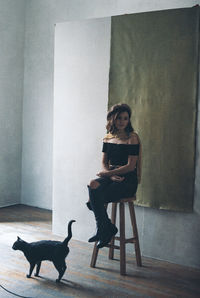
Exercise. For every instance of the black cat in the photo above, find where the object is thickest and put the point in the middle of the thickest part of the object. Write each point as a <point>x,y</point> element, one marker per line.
<point>36,252</point>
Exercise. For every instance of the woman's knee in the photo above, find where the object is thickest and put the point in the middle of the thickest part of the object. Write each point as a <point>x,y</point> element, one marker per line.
<point>94,184</point>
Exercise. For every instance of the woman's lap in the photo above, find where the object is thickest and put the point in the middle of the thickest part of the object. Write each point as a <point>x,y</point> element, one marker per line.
<point>113,191</point>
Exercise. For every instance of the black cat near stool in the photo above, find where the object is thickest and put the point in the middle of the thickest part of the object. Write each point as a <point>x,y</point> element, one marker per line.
<point>46,250</point>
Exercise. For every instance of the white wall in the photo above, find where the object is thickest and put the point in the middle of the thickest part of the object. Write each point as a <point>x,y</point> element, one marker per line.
<point>12,17</point>
<point>156,228</point>
<point>82,60</point>
<point>41,15</point>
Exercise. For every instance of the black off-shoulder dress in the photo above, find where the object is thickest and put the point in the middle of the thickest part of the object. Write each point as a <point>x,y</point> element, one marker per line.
<point>111,191</point>
<point>117,155</point>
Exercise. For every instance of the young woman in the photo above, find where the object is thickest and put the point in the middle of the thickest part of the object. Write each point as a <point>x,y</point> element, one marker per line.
<point>120,171</point>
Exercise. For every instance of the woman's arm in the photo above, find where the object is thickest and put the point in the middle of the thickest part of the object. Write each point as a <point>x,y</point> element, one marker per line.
<point>105,164</point>
<point>105,168</point>
<point>130,166</point>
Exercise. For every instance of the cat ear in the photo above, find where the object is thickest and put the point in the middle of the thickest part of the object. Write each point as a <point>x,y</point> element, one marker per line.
<point>18,238</point>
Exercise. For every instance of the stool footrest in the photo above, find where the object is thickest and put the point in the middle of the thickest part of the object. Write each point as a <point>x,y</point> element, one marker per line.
<point>117,238</point>
<point>130,240</point>
<point>113,246</point>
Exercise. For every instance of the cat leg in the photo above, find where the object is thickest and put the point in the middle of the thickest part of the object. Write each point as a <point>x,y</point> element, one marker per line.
<point>64,267</point>
<point>61,267</point>
<point>32,265</point>
<point>38,268</point>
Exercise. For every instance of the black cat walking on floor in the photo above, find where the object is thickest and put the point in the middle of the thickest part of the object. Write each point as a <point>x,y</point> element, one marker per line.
<point>36,252</point>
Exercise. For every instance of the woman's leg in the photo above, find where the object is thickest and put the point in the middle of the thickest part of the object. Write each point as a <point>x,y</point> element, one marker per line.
<point>96,190</point>
<point>119,190</point>
<point>94,184</point>
<point>97,201</point>
<point>114,192</point>
<point>101,191</point>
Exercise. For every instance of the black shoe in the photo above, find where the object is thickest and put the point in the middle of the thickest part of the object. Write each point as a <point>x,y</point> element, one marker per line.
<point>107,238</point>
<point>94,238</point>
<point>102,231</point>
<point>88,205</point>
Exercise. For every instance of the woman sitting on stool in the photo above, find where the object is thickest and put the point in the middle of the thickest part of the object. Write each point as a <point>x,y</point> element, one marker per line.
<point>119,176</point>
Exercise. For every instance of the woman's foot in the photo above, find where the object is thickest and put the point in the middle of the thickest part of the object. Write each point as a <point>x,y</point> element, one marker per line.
<point>94,238</point>
<point>103,232</point>
<point>107,236</point>
<point>88,205</point>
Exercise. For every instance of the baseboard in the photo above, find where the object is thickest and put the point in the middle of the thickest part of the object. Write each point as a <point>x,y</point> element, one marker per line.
<point>9,205</point>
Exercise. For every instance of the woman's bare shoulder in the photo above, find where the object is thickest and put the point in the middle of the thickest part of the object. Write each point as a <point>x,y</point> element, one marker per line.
<point>133,138</point>
<point>107,137</point>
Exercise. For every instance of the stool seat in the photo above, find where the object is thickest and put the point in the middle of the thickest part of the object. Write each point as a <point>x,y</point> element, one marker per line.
<point>126,200</point>
<point>122,239</point>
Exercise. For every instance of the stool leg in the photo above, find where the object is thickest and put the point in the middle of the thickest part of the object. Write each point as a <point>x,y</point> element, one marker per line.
<point>95,250</point>
<point>113,220</point>
<point>122,240</point>
<point>94,255</point>
<point>135,233</point>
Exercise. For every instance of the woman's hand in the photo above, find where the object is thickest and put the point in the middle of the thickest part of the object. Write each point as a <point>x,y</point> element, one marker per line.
<point>104,174</point>
<point>117,178</point>
<point>109,174</point>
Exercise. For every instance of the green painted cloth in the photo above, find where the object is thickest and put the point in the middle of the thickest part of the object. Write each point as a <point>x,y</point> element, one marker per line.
<point>153,68</point>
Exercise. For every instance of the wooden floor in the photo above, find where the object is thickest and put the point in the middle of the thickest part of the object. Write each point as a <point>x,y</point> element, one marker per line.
<point>154,279</point>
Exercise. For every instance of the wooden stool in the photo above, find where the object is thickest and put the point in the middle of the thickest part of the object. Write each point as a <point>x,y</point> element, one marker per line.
<point>122,239</point>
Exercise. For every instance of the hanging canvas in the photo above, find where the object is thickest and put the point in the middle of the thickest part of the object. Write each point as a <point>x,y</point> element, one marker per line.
<point>153,68</point>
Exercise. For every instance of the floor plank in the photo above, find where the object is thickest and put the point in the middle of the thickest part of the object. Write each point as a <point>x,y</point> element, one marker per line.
<point>154,279</point>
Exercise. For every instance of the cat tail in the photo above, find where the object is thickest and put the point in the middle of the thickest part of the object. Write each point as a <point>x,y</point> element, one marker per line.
<point>65,242</point>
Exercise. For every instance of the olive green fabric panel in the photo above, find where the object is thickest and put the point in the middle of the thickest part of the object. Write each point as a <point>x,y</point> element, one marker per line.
<point>153,68</point>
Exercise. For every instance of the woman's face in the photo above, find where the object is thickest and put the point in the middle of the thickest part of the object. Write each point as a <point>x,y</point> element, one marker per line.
<point>122,121</point>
